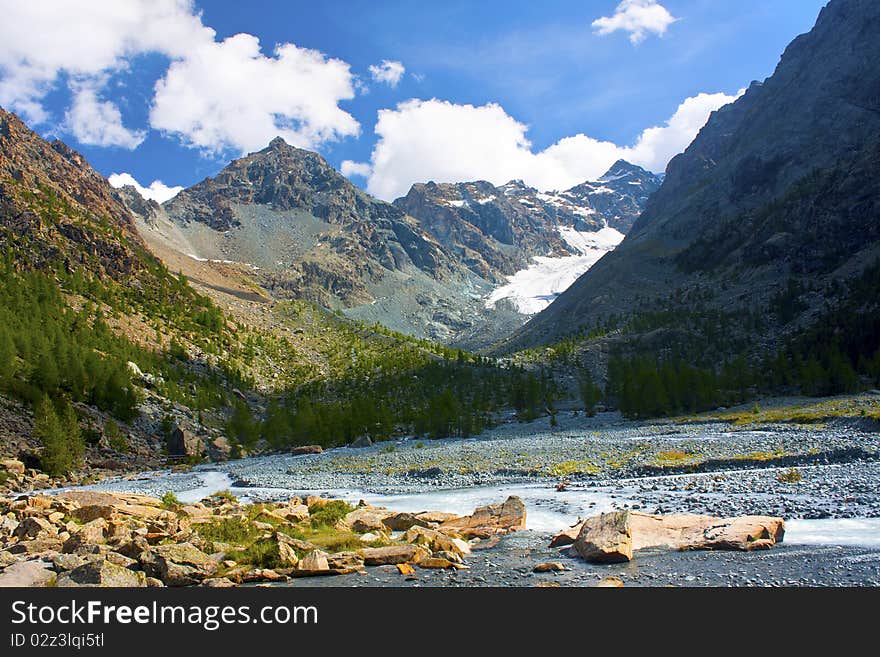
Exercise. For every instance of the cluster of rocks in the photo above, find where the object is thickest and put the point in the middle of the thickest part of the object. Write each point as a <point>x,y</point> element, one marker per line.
<point>88,538</point>
<point>613,537</point>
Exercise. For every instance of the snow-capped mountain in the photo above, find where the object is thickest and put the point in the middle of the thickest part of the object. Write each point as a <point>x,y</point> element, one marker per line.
<point>533,244</point>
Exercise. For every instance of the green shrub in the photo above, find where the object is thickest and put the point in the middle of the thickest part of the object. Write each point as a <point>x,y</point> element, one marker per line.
<point>327,515</point>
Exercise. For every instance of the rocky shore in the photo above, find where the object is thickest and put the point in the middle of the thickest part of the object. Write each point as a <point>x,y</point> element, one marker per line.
<point>87,538</point>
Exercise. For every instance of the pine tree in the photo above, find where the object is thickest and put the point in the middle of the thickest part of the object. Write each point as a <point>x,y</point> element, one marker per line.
<point>61,437</point>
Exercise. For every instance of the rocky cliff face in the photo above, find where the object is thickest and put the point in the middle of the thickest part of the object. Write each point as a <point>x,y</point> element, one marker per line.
<point>310,234</point>
<point>779,186</point>
<point>55,210</point>
<point>496,231</point>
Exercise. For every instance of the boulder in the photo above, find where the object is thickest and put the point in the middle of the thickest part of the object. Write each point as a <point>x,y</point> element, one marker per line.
<point>549,567</point>
<point>219,449</point>
<point>485,521</point>
<point>183,443</point>
<point>436,541</point>
<point>695,532</point>
<point>90,534</point>
<point>393,554</point>
<point>613,537</point>
<point>363,441</point>
<point>180,564</point>
<point>306,449</point>
<point>610,582</point>
<point>219,583</point>
<point>367,519</point>
<point>400,522</point>
<point>94,511</point>
<point>104,574</point>
<point>34,526</point>
<point>435,517</point>
<point>347,561</point>
<point>440,563</point>
<point>27,574</point>
<point>566,536</point>
<point>314,561</point>
<point>12,466</point>
<point>605,538</point>
<point>286,555</point>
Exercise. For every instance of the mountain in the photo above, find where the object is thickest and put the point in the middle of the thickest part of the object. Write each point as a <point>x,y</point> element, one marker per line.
<point>57,211</point>
<point>500,229</point>
<point>534,243</point>
<point>766,222</point>
<point>297,229</point>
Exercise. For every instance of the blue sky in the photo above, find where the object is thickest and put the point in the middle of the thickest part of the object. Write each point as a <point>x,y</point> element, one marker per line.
<point>490,90</point>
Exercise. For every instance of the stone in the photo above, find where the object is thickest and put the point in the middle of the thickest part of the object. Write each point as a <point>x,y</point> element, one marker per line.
<point>286,555</point>
<point>27,574</point>
<point>350,561</point>
<point>6,558</point>
<point>393,554</point>
<point>365,520</point>
<point>509,516</point>
<point>549,567</point>
<point>12,466</point>
<point>94,511</point>
<point>400,522</point>
<point>180,564</point>
<point>435,541</point>
<point>42,545</point>
<point>566,536</point>
<point>306,449</point>
<point>363,441</point>
<point>440,563</point>
<point>610,582</point>
<point>32,527</point>
<point>406,569</point>
<point>695,532</point>
<point>548,585</point>
<point>102,573</point>
<point>91,533</point>
<point>183,443</point>
<point>605,538</point>
<point>295,543</point>
<point>435,517</point>
<point>219,583</point>
<point>316,560</point>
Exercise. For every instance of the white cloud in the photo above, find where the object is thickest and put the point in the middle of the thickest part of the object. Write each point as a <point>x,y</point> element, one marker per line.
<point>388,72</point>
<point>228,95</point>
<point>40,41</point>
<point>638,17</point>
<point>351,168</point>
<point>99,123</point>
<point>214,95</point>
<point>157,191</point>
<point>437,140</point>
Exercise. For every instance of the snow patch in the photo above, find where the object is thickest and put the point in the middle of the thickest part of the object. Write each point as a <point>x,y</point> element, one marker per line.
<point>532,289</point>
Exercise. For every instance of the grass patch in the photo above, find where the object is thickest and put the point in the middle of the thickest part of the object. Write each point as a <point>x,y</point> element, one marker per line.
<point>674,457</point>
<point>809,413</point>
<point>566,468</point>
<point>761,456</point>
<point>225,496</point>
<point>790,476</point>
<point>327,515</point>
<point>235,531</point>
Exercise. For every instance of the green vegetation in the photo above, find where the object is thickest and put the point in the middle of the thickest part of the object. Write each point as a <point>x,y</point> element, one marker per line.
<point>224,496</point>
<point>169,501</point>
<point>328,514</point>
<point>60,435</point>
<point>790,476</point>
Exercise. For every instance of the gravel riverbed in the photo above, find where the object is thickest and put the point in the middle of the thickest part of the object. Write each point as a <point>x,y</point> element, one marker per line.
<point>610,463</point>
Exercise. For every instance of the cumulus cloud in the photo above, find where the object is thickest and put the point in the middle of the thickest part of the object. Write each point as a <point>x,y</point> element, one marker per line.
<point>388,72</point>
<point>437,140</point>
<point>41,41</point>
<point>214,95</point>
<point>638,17</point>
<point>99,123</point>
<point>228,95</point>
<point>157,191</point>
<point>351,168</point>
